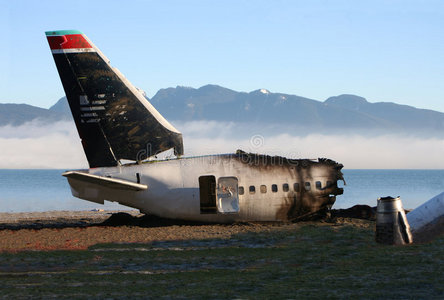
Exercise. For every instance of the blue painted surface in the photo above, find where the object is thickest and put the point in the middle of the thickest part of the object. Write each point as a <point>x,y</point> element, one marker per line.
<point>62,32</point>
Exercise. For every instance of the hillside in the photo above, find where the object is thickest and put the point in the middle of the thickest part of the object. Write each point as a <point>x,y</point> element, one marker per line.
<point>18,114</point>
<point>213,102</point>
<point>262,108</point>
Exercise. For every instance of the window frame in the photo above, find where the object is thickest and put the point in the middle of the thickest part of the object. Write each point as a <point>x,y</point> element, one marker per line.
<point>263,189</point>
<point>285,187</point>
<point>252,190</point>
<point>274,188</point>
<point>241,190</point>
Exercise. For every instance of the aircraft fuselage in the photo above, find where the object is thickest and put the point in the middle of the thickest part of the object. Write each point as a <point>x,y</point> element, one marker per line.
<point>221,188</point>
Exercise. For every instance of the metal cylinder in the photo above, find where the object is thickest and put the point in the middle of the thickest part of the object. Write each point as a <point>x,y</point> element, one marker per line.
<point>392,227</point>
<point>427,221</point>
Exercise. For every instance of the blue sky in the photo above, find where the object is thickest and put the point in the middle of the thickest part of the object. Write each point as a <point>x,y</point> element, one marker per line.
<point>381,50</point>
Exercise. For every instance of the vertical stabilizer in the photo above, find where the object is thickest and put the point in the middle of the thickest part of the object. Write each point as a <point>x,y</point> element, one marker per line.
<point>114,120</point>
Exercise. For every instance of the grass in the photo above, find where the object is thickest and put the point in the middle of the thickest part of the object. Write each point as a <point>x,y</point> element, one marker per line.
<point>301,262</point>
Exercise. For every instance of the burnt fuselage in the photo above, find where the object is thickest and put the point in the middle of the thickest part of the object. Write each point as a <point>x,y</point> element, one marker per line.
<point>222,188</point>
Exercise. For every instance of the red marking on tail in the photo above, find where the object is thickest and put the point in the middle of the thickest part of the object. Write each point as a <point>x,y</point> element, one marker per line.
<point>70,41</point>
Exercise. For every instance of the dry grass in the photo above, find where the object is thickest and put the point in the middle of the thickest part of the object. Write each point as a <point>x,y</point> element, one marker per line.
<point>311,260</point>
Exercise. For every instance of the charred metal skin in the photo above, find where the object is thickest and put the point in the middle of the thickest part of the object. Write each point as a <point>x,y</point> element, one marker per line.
<point>174,191</point>
<point>116,122</point>
<point>316,181</point>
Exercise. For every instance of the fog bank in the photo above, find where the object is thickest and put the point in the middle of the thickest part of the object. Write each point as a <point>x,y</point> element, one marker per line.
<point>38,145</point>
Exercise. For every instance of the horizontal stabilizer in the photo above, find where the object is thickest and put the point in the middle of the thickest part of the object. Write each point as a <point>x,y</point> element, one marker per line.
<point>112,183</point>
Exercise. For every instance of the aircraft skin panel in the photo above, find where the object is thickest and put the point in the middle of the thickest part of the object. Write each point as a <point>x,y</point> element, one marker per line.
<point>112,117</point>
<point>174,188</point>
<point>105,181</point>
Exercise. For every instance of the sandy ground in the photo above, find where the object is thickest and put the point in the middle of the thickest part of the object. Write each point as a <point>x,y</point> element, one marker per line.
<point>56,218</point>
<point>70,230</point>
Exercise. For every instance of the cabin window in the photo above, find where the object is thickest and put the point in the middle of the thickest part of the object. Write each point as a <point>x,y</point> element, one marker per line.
<point>318,185</point>
<point>307,186</point>
<point>227,195</point>
<point>241,190</point>
<point>274,188</point>
<point>263,189</point>
<point>252,189</point>
<point>296,187</point>
<point>285,187</point>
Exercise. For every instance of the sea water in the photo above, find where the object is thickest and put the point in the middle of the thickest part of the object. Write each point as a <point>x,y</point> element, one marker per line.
<point>41,190</point>
<point>44,190</point>
<point>413,186</point>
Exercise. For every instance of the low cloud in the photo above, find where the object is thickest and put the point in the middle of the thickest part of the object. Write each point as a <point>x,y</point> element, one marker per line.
<point>389,151</point>
<point>355,152</point>
<point>38,145</point>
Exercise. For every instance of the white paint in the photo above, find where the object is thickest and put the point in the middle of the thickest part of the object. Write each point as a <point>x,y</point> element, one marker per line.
<point>105,181</point>
<point>72,50</point>
<point>92,108</point>
<point>173,188</point>
<point>426,220</point>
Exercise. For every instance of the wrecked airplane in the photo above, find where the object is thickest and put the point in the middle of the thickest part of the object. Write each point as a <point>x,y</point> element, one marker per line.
<point>121,132</point>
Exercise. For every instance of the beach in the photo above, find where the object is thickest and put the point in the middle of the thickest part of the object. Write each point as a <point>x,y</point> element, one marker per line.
<point>113,255</point>
<point>70,230</point>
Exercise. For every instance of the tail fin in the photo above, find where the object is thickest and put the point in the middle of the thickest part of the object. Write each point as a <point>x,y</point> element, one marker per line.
<point>114,120</point>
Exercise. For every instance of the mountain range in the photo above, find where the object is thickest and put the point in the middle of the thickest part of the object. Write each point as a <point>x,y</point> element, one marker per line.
<point>18,114</point>
<point>261,108</point>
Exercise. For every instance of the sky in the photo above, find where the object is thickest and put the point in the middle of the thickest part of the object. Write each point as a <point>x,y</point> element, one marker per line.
<point>381,50</point>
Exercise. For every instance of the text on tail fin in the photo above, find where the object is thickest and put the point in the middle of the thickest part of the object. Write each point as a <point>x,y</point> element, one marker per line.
<point>113,118</point>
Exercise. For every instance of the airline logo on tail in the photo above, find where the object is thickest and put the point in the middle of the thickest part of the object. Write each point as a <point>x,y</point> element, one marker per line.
<point>68,41</point>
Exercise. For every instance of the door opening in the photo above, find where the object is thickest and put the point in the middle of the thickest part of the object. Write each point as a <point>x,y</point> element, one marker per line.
<point>207,188</point>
